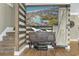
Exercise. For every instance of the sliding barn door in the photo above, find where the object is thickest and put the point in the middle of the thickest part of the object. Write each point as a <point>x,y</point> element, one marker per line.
<point>20,27</point>
<point>63,34</point>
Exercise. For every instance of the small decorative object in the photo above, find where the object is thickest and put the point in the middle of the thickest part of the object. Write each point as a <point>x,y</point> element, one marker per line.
<point>72,24</point>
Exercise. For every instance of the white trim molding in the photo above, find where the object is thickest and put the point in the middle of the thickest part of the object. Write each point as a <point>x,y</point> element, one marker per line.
<point>10,4</point>
<point>8,29</point>
<point>74,39</point>
<point>67,48</point>
<point>75,13</point>
<point>17,53</point>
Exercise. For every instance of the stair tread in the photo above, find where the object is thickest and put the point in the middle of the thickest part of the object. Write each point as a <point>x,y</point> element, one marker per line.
<point>8,36</point>
<point>8,43</point>
<point>11,32</point>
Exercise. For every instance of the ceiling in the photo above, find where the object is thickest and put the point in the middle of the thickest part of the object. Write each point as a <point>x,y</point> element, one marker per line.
<point>74,8</point>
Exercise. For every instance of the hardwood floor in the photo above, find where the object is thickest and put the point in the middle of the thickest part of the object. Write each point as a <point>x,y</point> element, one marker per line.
<point>74,51</point>
<point>7,54</point>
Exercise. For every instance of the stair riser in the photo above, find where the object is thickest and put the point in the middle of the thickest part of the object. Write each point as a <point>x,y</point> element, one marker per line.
<point>8,43</point>
<point>7,46</point>
<point>9,39</point>
<point>7,50</point>
<point>11,35</point>
<point>2,47</point>
<point>3,51</point>
<point>10,32</point>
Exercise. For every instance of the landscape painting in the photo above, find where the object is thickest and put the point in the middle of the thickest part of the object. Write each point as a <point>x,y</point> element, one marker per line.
<point>42,15</point>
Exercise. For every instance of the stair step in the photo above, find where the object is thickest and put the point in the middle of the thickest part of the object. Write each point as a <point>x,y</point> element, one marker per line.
<point>9,37</point>
<point>10,33</point>
<point>6,50</point>
<point>7,43</point>
<point>5,46</point>
<point>9,40</point>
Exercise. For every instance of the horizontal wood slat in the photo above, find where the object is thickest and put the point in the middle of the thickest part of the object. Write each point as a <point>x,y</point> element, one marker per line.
<point>24,5</point>
<point>21,26</point>
<point>22,8</point>
<point>22,32</point>
<point>22,46</point>
<point>22,20</point>
<point>21,17</point>
<point>22,37</point>
<point>22,14</point>
<point>22,43</point>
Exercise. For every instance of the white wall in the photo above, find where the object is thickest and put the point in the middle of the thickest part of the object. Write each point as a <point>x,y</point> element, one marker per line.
<point>74,9</point>
<point>7,18</point>
<point>74,33</point>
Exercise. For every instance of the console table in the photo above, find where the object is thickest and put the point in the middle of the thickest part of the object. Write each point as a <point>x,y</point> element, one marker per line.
<point>42,37</point>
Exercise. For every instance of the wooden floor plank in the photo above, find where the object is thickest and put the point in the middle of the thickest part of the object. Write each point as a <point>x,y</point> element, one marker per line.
<point>74,51</point>
<point>43,53</point>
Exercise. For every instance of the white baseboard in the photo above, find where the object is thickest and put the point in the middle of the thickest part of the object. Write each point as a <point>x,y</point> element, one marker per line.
<point>8,29</point>
<point>17,53</point>
<point>68,48</point>
<point>50,46</point>
<point>74,39</point>
<point>75,13</point>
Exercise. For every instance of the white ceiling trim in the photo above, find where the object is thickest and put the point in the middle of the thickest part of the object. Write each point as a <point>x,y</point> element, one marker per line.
<point>10,4</point>
<point>45,3</point>
<point>75,13</point>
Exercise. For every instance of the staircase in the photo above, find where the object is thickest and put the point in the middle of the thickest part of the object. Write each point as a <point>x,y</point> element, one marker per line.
<point>7,45</point>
